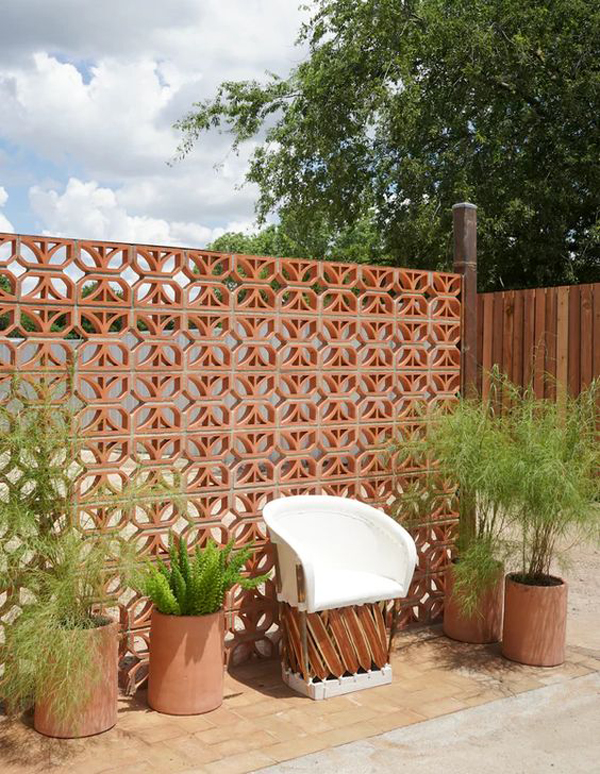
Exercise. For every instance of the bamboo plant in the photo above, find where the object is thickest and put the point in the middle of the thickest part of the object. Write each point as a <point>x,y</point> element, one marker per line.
<point>466,452</point>
<point>523,471</point>
<point>554,476</point>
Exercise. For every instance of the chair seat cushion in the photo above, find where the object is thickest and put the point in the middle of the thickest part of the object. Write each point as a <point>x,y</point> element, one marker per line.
<point>340,588</point>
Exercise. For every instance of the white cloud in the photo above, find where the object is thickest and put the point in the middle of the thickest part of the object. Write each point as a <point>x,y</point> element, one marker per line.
<point>210,36</point>
<point>5,224</point>
<point>94,88</point>
<point>87,28</point>
<point>97,213</point>
<point>108,125</point>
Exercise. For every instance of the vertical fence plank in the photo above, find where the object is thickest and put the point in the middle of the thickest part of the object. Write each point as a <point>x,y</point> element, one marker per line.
<point>551,338</point>
<point>480,313</point>
<point>508,340</point>
<point>498,335</point>
<point>562,343</point>
<point>509,324</point>
<point>539,342</point>
<point>498,330</point>
<point>487,325</point>
<point>528,334</point>
<point>587,327</point>
<point>596,333</point>
<point>517,362</point>
<point>574,379</point>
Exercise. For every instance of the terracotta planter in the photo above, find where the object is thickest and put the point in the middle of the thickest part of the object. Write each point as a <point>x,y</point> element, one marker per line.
<point>535,623</point>
<point>485,624</point>
<point>99,712</point>
<point>186,663</point>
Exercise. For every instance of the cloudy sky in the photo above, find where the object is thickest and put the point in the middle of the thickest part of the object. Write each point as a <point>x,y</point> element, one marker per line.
<point>89,91</point>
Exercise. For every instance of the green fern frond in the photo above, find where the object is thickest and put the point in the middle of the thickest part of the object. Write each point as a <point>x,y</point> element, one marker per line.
<point>179,586</point>
<point>163,570</point>
<point>193,589</point>
<point>173,555</point>
<point>252,583</point>
<point>158,588</point>
<point>184,560</point>
<point>197,585</point>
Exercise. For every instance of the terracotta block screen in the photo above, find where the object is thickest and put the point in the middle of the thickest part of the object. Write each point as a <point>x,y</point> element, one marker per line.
<point>252,377</point>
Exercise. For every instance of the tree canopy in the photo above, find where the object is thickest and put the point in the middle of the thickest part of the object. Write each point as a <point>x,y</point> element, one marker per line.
<point>402,108</point>
<point>360,242</point>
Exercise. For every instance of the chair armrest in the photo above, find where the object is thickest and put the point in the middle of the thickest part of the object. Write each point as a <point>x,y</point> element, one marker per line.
<point>404,569</point>
<point>292,586</point>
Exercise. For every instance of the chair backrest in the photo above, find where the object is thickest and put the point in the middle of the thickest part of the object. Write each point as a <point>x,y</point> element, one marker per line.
<point>339,533</point>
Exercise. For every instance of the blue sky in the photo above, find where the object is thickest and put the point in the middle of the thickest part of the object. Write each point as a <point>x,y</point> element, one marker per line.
<point>89,93</point>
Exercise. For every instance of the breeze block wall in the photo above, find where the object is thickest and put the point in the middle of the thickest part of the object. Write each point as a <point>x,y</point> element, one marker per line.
<point>248,377</point>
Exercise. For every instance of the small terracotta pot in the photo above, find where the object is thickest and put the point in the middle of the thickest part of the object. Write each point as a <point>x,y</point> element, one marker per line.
<point>535,623</point>
<point>485,624</point>
<point>187,654</point>
<point>99,713</point>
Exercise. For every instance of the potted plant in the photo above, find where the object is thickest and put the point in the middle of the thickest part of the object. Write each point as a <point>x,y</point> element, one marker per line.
<point>464,449</point>
<point>60,651</point>
<point>556,488</point>
<point>187,628</point>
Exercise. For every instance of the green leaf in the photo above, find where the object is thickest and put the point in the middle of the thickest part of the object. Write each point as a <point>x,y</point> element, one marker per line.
<point>184,561</point>
<point>388,119</point>
<point>179,588</point>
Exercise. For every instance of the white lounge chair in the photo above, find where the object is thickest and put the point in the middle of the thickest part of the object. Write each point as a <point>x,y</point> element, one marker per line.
<point>338,555</point>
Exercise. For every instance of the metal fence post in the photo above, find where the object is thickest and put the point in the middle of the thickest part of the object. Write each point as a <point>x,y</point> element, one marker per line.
<point>465,263</point>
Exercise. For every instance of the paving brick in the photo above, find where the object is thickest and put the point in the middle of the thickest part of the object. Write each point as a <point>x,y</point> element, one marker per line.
<point>362,730</point>
<point>398,719</point>
<point>225,731</point>
<point>285,751</point>
<point>158,732</point>
<point>240,764</point>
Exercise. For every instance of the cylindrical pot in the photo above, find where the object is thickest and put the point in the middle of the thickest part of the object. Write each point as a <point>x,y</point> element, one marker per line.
<point>99,711</point>
<point>484,624</point>
<point>535,623</point>
<point>186,663</point>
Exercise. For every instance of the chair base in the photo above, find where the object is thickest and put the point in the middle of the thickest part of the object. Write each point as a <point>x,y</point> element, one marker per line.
<point>333,652</point>
<point>336,686</point>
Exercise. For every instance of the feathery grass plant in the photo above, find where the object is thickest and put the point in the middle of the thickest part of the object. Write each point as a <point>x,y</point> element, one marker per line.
<point>466,453</point>
<point>54,577</point>
<point>554,477</point>
<point>525,471</point>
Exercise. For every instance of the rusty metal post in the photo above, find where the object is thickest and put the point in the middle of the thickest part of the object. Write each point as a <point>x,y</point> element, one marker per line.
<point>393,627</point>
<point>301,590</point>
<point>465,263</point>
<point>464,218</point>
<point>304,645</point>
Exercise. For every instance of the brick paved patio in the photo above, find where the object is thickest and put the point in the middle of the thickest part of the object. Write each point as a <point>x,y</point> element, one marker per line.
<point>262,722</point>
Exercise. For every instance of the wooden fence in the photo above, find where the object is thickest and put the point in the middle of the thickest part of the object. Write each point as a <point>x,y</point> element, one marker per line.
<point>547,336</point>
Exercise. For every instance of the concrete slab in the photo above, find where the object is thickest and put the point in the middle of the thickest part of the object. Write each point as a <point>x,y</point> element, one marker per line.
<point>553,729</point>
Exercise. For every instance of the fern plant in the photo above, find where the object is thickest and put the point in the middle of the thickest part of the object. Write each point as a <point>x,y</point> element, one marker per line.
<point>196,585</point>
